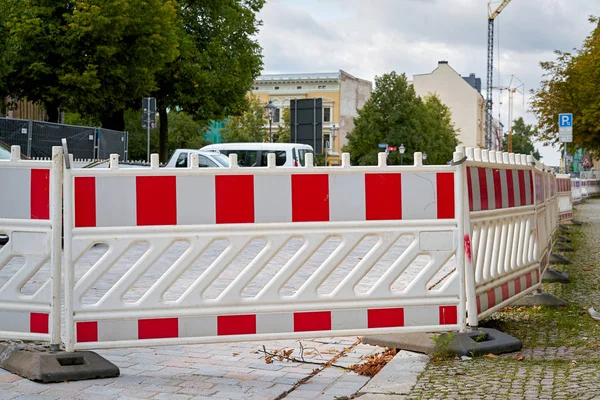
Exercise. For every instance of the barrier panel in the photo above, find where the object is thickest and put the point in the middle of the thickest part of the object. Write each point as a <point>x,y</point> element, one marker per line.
<point>30,258</point>
<point>122,290</point>
<point>507,229</point>
<point>576,194</point>
<point>565,201</point>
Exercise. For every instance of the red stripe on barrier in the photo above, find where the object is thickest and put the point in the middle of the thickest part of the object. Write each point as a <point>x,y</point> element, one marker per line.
<point>158,328</point>
<point>40,194</point>
<point>470,188</point>
<point>491,295</point>
<point>510,187</point>
<point>312,321</point>
<point>236,324</point>
<point>383,196</point>
<point>310,198</point>
<point>234,197</point>
<point>497,188</point>
<point>448,315</point>
<point>528,280</point>
<point>517,283</point>
<point>505,292</point>
<point>537,273</point>
<point>87,332</point>
<point>483,193</point>
<point>445,195</point>
<point>385,317</point>
<point>522,187</point>
<point>38,323</point>
<point>478,304</point>
<point>85,202</point>
<point>156,200</point>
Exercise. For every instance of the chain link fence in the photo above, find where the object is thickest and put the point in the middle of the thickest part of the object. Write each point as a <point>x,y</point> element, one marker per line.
<point>36,139</point>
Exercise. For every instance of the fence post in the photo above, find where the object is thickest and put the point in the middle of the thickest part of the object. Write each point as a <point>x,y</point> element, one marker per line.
<point>96,154</point>
<point>29,137</point>
<point>56,210</point>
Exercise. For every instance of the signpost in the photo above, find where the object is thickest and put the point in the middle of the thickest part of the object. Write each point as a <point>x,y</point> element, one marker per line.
<point>148,118</point>
<point>565,132</point>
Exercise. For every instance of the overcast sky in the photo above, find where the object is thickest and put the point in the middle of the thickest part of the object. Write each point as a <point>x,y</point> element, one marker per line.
<point>372,37</point>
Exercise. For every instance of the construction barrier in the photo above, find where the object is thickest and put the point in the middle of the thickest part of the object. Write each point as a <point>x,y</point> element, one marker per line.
<point>565,198</point>
<point>410,213</point>
<point>576,195</point>
<point>30,258</point>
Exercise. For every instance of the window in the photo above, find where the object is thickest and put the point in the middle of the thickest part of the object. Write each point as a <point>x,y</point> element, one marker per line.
<point>301,154</point>
<point>298,87</point>
<point>322,87</point>
<point>182,161</point>
<point>326,114</point>
<point>276,87</point>
<point>246,158</point>
<point>326,142</point>
<point>204,162</point>
<point>276,114</point>
<point>280,157</point>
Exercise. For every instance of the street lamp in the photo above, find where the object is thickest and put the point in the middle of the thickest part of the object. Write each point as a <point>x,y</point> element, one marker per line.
<point>271,113</point>
<point>424,157</point>
<point>401,149</point>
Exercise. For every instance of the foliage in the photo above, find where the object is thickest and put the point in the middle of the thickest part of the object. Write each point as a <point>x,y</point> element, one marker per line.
<point>185,133</point>
<point>283,130</point>
<point>396,115</point>
<point>522,139</point>
<point>442,345</point>
<point>249,126</point>
<point>96,57</point>
<point>219,59</point>
<point>571,83</point>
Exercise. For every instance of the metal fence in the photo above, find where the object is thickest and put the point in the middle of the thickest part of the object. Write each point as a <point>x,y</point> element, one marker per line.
<point>36,139</point>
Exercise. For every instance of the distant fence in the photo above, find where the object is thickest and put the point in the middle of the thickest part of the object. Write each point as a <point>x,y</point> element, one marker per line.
<point>36,139</point>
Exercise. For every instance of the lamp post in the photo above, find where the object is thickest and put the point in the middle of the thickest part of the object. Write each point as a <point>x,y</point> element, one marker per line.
<point>334,130</point>
<point>402,149</point>
<point>270,112</point>
<point>424,157</point>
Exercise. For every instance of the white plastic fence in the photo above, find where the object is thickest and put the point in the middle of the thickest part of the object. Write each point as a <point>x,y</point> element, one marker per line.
<point>30,216</point>
<point>409,213</point>
<point>565,197</point>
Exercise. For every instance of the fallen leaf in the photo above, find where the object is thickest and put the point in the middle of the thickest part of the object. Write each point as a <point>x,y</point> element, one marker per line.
<point>521,358</point>
<point>490,355</point>
<point>269,359</point>
<point>587,269</point>
<point>236,354</point>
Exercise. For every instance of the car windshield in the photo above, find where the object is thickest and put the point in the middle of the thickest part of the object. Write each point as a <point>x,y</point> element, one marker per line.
<point>221,159</point>
<point>301,154</point>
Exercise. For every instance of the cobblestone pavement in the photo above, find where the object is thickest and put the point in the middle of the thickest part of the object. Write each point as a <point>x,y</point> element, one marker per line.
<point>215,371</point>
<point>561,352</point>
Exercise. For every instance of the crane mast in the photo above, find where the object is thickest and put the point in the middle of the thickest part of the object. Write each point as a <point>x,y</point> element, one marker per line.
<point>492,14</point>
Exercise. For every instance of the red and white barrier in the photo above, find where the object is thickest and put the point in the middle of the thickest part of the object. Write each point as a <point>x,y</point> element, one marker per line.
<point>30,270</point>
<point>565,201</point>
<point>422,205</point>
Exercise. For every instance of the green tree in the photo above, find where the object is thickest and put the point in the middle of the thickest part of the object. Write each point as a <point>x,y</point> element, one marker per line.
<point>571,83</point>
<point>249,126</point>
<point>522,139</point>
<point>97,57</point>
<point>395,115</point>
<point>219,59</point>
<point>185,133</point>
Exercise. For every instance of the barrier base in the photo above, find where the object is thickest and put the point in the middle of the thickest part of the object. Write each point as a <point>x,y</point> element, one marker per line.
<point>540,299</point>
<point>552,275</point>
<point>40,365</point>
<point>557,259</point>
<point>564,239</point>
<point>3,240</point>
<point>474,343</point>
<point>564,228</point>
<point>563,247</point>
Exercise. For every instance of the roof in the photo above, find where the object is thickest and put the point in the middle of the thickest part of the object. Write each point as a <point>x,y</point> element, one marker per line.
<point>300,76</point>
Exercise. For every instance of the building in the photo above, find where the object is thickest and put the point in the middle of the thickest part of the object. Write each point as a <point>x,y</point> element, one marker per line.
<point>462,95</point>
<point>25,110</point>
<point>343,95</point>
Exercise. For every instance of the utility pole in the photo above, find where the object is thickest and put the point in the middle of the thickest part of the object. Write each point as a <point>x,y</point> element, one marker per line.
<point>148,120</point>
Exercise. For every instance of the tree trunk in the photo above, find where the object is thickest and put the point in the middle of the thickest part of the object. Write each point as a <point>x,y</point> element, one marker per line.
<point>114,120</point>
<point>52,112</point>
<point>163,124</point>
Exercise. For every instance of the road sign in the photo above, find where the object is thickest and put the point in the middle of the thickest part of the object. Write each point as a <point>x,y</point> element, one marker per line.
<point>391,148</point>
<point>382,145</point>
<point>565,128</point>
<point>149,112</point>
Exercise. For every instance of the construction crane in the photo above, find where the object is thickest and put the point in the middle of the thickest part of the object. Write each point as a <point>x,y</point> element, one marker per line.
<point>492,14</point>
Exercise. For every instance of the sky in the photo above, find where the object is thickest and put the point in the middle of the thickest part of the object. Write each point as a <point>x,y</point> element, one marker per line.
<point>368,38</point>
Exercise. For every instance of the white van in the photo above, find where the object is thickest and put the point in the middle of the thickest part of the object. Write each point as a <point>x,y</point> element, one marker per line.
<point>255,154</point>
<point>181,158</point>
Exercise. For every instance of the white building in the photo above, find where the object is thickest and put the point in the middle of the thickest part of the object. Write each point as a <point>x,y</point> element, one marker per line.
<point>465,102</point>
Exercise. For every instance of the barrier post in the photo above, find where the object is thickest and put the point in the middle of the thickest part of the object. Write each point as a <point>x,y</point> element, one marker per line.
<point>467,297</point>
<point>55,267</point>
<point>69,273</point>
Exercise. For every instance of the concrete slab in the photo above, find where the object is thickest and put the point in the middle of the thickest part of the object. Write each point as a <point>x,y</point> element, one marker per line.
<point>397,378</point>
<point>552,275</point>
<point>557,259</point>
<point>417,342</point>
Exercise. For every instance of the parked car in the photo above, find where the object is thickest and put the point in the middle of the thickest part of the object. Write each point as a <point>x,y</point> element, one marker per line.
<point>5,152</point>
<point>255,154</point>
<point>181,158</point>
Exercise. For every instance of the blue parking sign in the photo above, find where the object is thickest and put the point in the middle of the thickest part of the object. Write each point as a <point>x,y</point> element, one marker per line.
<point>565,120</point>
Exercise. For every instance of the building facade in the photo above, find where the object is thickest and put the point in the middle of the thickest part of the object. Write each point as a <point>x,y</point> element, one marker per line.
<point>463,98</point>
<point>343,95</point>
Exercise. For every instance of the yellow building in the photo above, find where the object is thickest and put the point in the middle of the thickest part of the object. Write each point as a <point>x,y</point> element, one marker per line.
<point>343,95</point>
